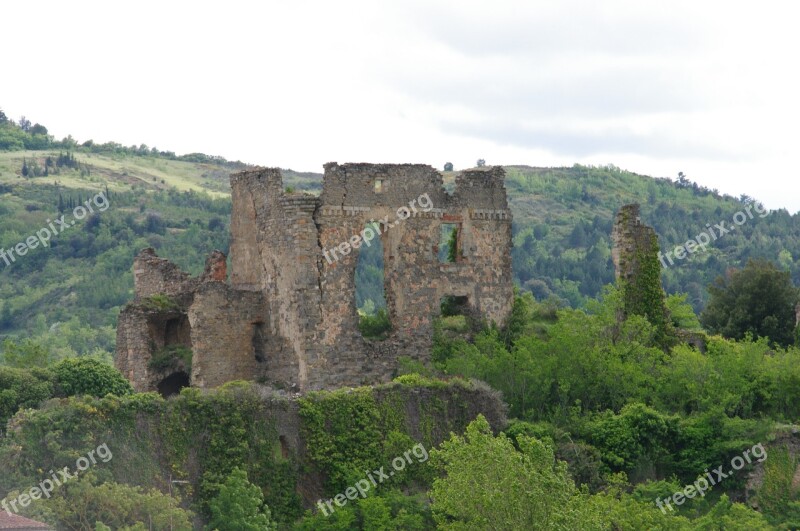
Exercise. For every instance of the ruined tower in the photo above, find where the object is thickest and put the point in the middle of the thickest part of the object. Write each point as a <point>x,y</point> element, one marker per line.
<point>638,271</point>
<point>288,314</point>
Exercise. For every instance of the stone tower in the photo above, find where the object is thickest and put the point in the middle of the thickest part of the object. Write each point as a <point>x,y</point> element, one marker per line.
<point>635,256</point>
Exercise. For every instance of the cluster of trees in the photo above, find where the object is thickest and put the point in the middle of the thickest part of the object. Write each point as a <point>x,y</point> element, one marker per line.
<point>610,400</point>
<point>16,136</point>
<point>22,135</point>
<point>52,166</point>
<point>26,379</point>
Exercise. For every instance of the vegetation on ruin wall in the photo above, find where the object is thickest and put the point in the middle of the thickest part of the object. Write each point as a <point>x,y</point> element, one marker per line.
<point>643,294</point>
<point>200,436</point>
<point>349,431</point>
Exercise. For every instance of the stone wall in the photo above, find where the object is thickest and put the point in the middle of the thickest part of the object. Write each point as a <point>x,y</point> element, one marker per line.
<point>288,316</point>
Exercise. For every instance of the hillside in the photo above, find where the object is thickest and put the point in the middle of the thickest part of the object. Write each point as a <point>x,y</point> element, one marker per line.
<point>562,224</point>
<point>631,422</point>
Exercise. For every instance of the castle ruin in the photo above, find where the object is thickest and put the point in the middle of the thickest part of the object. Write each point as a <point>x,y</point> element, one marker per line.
<point>286,315</point>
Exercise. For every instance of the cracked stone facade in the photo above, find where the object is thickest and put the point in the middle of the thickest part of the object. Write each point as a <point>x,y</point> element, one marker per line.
<point>287,316</point>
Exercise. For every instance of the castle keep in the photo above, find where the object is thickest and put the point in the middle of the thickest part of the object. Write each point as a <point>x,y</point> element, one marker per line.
<point>286,315</point>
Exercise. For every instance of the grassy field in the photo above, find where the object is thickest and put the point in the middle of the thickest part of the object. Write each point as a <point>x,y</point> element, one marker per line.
<point>121,173</point>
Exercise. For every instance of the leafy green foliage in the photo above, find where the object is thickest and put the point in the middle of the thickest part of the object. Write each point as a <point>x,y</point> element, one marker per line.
<point>341,430</point>
<point>82,503</point>
<point>86,376</point>
<point>25,354</point>
<point>524,489</point>
<point>375,326</point>
<point>159,301</point>
<point>779,496</point>
<point>22,389</point>
<point>390,511</point>
<point>240,505</point>
<point>759,300</point>
<point>170,356</point>
<point>681,312</point>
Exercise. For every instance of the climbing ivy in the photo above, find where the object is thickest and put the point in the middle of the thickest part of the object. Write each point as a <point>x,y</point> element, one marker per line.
<point>643,294</point>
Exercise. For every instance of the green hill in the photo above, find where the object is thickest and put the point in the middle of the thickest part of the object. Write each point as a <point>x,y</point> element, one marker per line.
<point>180,205</point>
<point>631,424</point>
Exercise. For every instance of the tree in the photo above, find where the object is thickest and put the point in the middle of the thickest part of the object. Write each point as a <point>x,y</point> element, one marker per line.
<point>448,166</point>
<point>6,320</point>
<point>82,503</point>
<point>87,376</point>
<point>759,299</point>
<point>452,246</point>
<point>489,484</point>
<point>38,129</point>
<point>481,163</point>
<point>24,124</point>
<point>3,118</point>
<point>240,506</point>
<point>24,354</point>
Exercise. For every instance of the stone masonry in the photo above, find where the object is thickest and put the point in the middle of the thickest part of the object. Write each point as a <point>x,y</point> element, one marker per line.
<point>287,316</point>
<point>629,238</point>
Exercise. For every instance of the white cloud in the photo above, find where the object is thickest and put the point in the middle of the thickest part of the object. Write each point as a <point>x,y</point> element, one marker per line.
<point>707,88</point>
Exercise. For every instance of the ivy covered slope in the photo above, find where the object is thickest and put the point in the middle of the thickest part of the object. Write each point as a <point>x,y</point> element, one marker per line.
<point>311,448</point>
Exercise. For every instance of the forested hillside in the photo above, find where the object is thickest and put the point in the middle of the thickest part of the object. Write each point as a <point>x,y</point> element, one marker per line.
<point>606,421</point>
<point>181,207</point>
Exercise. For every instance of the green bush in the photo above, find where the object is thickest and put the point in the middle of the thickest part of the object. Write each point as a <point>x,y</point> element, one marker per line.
<point>375,326</point>
<point>240,505</point>
<point>169,356</point>
<point>86,376</point>
<point>21,388</point>
<point>160,301</point>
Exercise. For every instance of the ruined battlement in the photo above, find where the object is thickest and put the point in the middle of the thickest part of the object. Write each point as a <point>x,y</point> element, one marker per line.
<point>152,275</point>
<point>287,316</point>
<point>630,239</point>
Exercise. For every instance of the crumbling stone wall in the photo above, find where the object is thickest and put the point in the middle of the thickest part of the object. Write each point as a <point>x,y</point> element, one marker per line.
<point>204,314</point>
<point>288,316</point>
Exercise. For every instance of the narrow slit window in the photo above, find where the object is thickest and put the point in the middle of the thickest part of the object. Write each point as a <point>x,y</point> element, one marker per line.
<point>448,243</point>
<point>371,288</point>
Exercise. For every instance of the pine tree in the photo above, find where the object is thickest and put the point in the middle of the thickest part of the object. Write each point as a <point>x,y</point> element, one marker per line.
<point>5,316</point>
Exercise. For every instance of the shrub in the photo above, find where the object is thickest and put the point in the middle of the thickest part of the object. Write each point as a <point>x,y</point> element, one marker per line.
<point>20,388</point>
<point>169,356</point>
<point>159,301</point>
<point>86,376</point>
<point>375,326</point>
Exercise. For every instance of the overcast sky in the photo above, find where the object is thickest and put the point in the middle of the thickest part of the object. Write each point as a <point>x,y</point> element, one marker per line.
<point>710,89</point>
